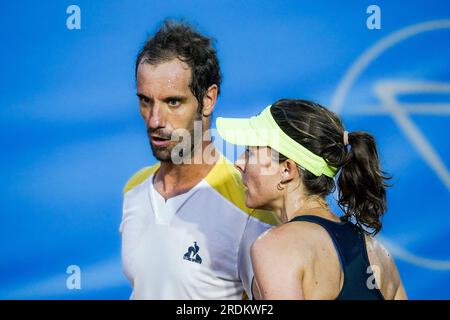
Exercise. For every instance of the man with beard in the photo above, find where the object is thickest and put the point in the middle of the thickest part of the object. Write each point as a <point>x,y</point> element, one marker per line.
<point>186,231</point>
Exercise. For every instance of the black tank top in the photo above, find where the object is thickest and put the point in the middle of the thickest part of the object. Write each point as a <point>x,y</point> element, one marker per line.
<point>350,245</point>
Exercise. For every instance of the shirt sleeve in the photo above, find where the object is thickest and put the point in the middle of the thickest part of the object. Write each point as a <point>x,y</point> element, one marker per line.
<point>252,230</point>
<point>130,230</point>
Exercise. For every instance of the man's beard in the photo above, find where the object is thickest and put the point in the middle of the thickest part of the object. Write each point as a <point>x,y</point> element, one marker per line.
<point>165,153</point>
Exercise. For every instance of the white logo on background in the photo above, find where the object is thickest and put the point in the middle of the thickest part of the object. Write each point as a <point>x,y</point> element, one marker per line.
<point>388,92</point>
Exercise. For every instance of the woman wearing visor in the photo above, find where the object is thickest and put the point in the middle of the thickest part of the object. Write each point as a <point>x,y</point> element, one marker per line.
<point>297,151</point>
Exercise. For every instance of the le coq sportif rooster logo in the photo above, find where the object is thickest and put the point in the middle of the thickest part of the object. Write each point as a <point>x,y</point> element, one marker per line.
<point>192,254</point>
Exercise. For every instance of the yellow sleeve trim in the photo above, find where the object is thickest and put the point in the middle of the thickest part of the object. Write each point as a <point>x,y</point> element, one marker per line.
<point>140,177</point>
<point>226,180</point>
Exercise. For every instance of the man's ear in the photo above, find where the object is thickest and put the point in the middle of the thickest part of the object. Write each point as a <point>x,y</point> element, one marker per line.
<point>209,100</point>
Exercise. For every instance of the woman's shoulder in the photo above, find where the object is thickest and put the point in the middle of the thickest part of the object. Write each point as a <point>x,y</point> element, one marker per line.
<point>378,253</point>
<point>383,267</point>
<point>301,237</point>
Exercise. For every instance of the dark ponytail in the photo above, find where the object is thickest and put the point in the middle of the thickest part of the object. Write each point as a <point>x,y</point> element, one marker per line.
<point>362,184</point>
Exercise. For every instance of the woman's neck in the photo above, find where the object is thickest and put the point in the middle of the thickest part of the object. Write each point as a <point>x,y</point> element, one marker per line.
<point>293,207</point>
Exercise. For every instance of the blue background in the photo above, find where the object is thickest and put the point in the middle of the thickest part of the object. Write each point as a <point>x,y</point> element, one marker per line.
<point>71,135</point>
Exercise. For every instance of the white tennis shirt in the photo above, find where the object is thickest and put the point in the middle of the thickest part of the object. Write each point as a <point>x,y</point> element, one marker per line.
<point>192,246</point>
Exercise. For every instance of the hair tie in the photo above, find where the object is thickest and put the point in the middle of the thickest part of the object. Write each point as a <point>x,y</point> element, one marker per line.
<point>345,138</point>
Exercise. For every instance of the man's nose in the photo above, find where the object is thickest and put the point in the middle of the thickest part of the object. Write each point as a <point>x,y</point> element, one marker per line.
<point>155,117</point>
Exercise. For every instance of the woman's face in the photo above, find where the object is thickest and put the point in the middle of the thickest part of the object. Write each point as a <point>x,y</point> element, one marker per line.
<point>260,174</point>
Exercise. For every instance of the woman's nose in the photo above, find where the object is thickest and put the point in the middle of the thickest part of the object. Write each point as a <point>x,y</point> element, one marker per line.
<point>240,163</point>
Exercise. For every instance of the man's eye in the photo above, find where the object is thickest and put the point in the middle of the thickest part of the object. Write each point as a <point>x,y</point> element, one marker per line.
<point>173,103</point>
<point>144,99</point>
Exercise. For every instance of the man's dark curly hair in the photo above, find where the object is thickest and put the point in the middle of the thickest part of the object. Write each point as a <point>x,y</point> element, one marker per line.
<point>182,41</point>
